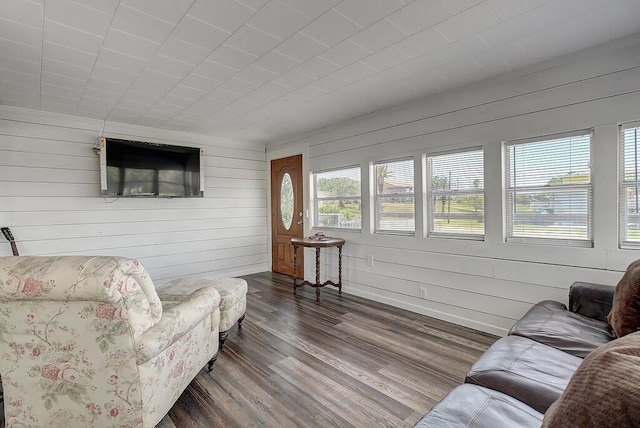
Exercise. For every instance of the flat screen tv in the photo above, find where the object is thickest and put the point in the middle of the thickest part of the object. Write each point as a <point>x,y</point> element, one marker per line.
<point>134,168</point>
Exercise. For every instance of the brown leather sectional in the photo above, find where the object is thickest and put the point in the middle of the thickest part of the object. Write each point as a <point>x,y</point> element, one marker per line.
<point>516,380</point>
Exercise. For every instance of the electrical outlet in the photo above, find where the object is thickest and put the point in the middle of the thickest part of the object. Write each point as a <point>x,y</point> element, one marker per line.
<point>423,292</point>
<point>369,260</point>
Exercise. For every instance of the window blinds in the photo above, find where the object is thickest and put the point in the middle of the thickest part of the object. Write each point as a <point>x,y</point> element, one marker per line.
<point>630,186</point>
<point>549,189</point>
<point>394,196</point>
<point>456,194</point>
<point>337,199</point>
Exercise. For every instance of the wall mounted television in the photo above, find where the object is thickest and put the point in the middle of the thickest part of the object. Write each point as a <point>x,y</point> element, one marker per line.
<point>135,168</point>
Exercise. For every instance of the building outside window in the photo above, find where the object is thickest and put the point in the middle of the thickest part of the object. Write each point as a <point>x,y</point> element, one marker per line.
<point>549,189</point>
<point>337,198</point>
<point>394,197</point>
<point>455,194</point>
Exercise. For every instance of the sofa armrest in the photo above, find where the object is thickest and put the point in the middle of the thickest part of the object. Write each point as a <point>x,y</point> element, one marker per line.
<point>176,322</point>
<point>591,300</point>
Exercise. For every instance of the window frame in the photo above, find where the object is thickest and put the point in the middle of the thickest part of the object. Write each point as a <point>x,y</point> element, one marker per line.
<point>623,184</point>
<point>375,197</point>
<point>316,199</point>
<point>429,196</point>
<point>509,208</point>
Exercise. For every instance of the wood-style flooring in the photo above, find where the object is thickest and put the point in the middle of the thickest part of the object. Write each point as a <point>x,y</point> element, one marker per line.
<point>346,361</point>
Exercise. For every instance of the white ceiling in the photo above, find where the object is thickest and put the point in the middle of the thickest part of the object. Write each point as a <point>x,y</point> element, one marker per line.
<point>265,70</point>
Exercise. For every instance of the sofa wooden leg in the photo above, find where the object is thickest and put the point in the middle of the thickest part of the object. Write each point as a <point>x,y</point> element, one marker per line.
<point>223,337</point>
<point>240,321</point>
<point>211,361</point>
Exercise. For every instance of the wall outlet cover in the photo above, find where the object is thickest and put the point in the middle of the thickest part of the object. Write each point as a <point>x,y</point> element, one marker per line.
<point>423,292</point>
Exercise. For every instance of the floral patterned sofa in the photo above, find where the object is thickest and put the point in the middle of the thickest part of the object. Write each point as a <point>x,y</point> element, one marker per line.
<point>84,341</point>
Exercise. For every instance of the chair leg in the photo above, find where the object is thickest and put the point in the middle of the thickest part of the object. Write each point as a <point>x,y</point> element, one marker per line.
<point>211,361</point>
<point>240,321</point>
<point>223,336</point>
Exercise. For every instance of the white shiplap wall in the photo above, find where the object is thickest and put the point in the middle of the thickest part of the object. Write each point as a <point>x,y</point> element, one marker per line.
<point>488,285</point>
<point>50,197</point>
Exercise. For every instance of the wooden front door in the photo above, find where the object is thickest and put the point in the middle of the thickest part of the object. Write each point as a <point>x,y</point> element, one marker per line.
<point>287,218</point>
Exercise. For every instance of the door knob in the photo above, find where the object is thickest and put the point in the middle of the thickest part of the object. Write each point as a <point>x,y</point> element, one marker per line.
<point>300,223</point>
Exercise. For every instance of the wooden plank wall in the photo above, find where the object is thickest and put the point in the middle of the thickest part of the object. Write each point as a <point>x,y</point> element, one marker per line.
<point>50,197</point>
<point>487,285</point>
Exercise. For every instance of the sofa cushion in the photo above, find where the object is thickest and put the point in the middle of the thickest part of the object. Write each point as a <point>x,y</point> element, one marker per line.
<point>534,373</point>
<point>624,317</point>
<point>604,389</point>
<point>550,322</point>
<point>473,406</point>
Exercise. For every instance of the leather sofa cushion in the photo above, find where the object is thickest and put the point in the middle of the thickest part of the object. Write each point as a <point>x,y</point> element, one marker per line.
<point>625,312</point>
<point>550,322</point>
<point>474,406</point>
<point>529,371</point>
<point>604,391</point>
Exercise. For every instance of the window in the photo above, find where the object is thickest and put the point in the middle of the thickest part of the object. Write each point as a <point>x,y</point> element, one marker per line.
<point>549,189</point>
<point>394,196</point>
<point>455,194</point>
<point>337,199</point>
<point>630,186</point>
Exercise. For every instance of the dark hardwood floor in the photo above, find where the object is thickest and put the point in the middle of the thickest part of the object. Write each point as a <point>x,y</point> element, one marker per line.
<point>346,361</point>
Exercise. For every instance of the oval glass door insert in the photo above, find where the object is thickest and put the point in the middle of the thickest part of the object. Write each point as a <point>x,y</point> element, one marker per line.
<point>286,201</point>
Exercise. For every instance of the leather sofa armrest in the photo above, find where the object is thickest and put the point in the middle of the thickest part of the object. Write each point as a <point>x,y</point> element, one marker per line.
<point>591,300</point>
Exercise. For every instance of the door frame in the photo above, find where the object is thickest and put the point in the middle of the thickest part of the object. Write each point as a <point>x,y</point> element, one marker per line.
<point>278,153</point>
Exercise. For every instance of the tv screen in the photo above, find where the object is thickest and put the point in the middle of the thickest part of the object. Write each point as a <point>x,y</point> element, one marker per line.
<point>133,168</point>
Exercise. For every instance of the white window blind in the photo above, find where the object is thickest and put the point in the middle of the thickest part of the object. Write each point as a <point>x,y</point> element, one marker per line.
<point>630,186</point>
<point>337,199</point>
<point>455,197</point>
<point>394,196</point>
<point>549,190</point>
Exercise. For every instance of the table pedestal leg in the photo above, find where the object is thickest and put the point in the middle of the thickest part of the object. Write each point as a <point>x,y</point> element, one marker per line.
<point>295,267</point>
<point>340,269</point>
<point>317,274</point>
